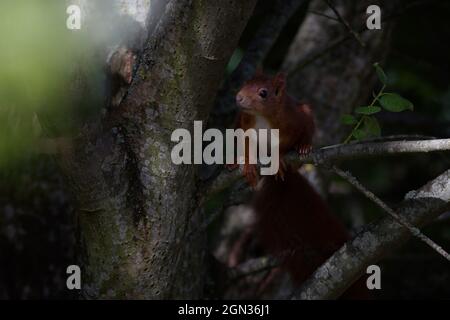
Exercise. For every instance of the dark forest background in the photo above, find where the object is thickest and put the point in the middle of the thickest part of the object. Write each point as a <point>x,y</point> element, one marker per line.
<point>37,234</point>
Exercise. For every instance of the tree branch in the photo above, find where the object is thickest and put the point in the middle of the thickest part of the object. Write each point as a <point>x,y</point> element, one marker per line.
<point>348,264</point>
<point>345,23</point>
<point>358,150</point>
<point>352,151</point>
<point>333,154</point>
<point>135,204</point>
<point>414,231</point>
<point>323,15</point>
<point>355,33</point>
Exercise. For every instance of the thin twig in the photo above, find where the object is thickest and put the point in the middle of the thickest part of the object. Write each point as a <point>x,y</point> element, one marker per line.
<point>394,137</point>
<point>345,23</point>
<point>317,55</point>
<point>414,231</point>
<point>322,52</point>
<point>369,244</point>
<point>377,239</point>
<point>375,99</point>
<point>323,15</point>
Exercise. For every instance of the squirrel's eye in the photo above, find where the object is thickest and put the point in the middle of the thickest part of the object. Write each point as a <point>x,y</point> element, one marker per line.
<point>262,93</point>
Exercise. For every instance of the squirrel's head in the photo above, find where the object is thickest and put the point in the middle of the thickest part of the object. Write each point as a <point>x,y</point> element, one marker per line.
<point>262,95</point>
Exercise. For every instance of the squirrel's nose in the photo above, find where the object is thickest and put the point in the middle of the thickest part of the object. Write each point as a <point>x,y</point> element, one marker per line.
<point>239,98</point>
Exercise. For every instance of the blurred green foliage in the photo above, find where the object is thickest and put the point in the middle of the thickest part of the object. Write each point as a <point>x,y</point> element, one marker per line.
<point>39,72</point>
<point>364,122</point>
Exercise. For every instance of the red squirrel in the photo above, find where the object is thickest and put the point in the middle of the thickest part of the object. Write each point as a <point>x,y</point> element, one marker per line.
<point>265,104</point>
<point>293,222</point>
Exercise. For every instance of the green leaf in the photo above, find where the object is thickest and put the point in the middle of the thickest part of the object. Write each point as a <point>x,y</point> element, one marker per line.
<point>380,72</point>
<point>372,127</point>
<point>348,119</point>
<point>395,103</point>
<point>368,110</point>
<point>359,134</point>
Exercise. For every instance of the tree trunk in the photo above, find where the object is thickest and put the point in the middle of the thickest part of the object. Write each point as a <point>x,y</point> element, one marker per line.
<point>135,206</point>
<point>329,68</point>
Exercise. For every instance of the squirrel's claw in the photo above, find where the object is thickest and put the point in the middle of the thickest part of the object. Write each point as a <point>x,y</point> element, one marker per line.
<point>232,166</point>
<point>281,170</point>
<point>251,174</point>
<point>304,149</point>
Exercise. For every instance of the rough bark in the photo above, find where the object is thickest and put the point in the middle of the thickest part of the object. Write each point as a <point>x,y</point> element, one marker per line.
<point>134,205</point>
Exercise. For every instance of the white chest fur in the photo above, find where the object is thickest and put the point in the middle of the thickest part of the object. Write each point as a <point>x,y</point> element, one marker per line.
<point>263,137</point>
<point>261,123</point>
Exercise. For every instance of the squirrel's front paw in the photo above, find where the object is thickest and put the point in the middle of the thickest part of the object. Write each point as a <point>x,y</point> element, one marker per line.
<point>231,166</point>
<point>281,170</point>
<point>304,149</point>
<point>251,174</point>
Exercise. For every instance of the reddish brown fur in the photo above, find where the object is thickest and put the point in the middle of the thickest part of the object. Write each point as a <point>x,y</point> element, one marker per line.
<point>294,223</point>
<point>294,120</point>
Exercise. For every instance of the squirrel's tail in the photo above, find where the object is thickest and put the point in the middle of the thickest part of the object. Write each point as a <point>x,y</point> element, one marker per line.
<point>295,224</point>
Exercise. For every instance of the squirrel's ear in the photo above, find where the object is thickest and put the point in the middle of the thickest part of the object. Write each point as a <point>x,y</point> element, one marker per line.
<point>279,82</point>
<point>259,71</point>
